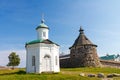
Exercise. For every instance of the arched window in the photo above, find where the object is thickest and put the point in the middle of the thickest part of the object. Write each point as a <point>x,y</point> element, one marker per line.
<point>46,56</point>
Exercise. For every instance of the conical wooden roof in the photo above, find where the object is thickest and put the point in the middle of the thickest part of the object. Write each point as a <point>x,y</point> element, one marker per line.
<point>82,40</point>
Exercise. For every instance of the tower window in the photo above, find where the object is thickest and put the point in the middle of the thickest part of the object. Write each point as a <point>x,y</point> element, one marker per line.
<point>44,34</point>
<point>33,60</point>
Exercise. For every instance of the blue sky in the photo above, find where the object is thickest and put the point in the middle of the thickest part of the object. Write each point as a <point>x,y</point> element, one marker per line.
<point>99,18</point>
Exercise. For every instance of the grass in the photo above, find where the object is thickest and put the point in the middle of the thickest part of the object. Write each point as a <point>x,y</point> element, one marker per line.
<point>65,74</point>
<point>105,70</point>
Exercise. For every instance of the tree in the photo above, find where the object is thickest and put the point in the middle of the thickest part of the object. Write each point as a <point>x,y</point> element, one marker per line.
<point>14,60</point>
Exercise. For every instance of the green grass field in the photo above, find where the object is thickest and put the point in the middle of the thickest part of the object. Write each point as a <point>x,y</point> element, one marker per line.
<point>65,74</point>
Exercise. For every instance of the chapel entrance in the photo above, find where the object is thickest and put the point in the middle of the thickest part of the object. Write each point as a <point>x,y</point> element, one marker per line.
<point>47,63</point>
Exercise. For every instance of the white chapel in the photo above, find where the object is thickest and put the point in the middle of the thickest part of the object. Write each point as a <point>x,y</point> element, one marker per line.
<point>42,55</point>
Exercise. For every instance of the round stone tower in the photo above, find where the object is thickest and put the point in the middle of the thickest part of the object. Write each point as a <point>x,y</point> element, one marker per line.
<point>83,52</point>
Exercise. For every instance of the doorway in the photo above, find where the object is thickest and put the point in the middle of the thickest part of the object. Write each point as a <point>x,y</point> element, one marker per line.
<point>46,63</point>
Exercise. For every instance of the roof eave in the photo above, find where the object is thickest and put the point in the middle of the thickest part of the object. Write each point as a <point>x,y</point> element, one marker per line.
<point>41,27</point>
<point>83,45</point>
<point>29,43</point>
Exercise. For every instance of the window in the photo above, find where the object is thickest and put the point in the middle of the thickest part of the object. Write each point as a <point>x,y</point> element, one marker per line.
<point>33,60</point>
<point>44,34</point>
<point>56,61</point>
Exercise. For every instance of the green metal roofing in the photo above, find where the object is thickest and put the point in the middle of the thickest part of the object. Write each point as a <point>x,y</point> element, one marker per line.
<point>47,41</point>
<point>42,25</point>
<point>109,57</point>
<point>34,41</point>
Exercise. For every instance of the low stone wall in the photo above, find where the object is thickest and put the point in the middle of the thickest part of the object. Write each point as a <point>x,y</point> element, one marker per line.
<point>65,63</point>
<point>106,63</point>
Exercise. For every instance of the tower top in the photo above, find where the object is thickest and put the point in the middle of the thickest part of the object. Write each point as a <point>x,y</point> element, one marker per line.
<point>42,24</point>
<point>81,30</point>
<point>82,40</point>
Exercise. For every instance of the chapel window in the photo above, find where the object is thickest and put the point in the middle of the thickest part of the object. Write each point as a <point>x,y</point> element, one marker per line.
<point>56,61</point>
<point>44,34</point>
<point>33,60</point>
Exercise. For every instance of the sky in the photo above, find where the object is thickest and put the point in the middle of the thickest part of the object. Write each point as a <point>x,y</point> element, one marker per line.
<point>99,18</point>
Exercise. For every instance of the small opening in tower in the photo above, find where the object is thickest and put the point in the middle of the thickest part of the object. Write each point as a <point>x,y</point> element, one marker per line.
<point>44,34</point>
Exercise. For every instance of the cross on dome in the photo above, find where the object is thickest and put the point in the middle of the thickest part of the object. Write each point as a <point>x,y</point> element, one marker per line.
<point>42,20</point>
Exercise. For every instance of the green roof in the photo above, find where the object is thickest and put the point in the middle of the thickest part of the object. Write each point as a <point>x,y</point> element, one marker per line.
<point>34,41</point>
<point>109,57</point>
<point>47,41</point>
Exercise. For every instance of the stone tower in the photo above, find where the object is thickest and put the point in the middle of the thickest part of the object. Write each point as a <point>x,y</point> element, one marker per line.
<point>83,52</point>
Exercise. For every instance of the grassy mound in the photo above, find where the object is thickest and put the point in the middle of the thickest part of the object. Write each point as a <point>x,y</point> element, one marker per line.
<point>65,74</point>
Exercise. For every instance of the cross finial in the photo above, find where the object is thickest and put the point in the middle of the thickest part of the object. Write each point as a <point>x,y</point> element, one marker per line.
<point>81,30</point>
<point>42,20</point>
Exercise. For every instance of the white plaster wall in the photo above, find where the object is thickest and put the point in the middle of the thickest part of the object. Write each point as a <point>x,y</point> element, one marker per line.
<point>56,54</point>
<point>39,51</point>
<point>52,50</point>
<point>117,59</point>
<point>32,50</point>
<point>40,33</point>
